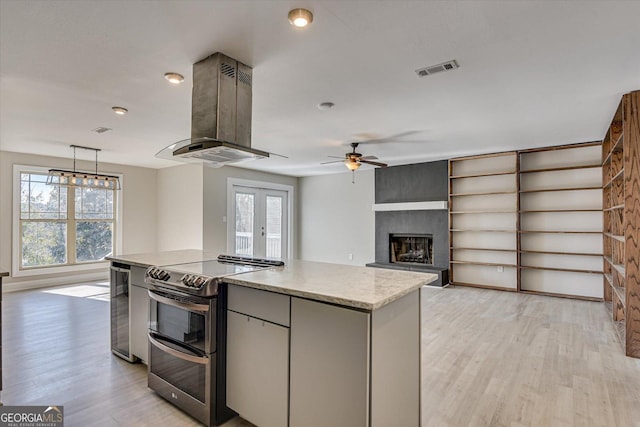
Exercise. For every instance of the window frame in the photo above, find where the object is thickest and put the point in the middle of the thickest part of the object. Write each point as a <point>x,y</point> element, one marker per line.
<point>17,270</point>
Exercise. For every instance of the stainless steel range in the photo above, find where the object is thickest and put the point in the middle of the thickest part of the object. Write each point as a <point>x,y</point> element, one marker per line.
<point>187,333</point>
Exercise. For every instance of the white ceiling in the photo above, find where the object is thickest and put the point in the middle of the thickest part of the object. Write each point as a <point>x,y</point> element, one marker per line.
<point>532,73</point>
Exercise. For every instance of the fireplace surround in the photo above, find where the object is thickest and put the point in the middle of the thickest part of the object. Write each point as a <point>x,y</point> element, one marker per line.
<point>407,184</point>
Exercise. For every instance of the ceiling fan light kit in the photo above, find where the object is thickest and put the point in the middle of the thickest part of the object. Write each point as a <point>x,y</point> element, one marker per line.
<point>352,165</point>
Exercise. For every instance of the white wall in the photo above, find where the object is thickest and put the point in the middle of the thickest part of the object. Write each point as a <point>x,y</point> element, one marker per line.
<point>138,208</point>
<point>337,218</point>
<point>215,203</point>
<point>180,201</point>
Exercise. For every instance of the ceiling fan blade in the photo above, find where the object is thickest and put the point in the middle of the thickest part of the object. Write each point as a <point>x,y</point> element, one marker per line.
<point>336,157</point>
<point>390,138</point>
<point>368,158</point>
<point>279,155</point>
<point>332,161</point>
<point>382,165</point>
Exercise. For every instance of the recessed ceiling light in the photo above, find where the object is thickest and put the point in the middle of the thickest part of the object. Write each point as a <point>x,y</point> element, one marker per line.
<point>325,105</point>
<point>300,17</point>
<point>174,78</point>
<point>120,110</point>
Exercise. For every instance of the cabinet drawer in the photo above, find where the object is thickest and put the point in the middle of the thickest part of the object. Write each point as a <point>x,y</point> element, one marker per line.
<point>264,305</point>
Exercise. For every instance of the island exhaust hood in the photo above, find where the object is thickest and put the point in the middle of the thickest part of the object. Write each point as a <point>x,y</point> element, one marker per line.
<point>220,115</point>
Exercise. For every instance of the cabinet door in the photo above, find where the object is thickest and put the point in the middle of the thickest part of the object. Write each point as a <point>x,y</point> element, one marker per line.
<point>257,370</point>
<point>329,365</point>
<point>139,322</point>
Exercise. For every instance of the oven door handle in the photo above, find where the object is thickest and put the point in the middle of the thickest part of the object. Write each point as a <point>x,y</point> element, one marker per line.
<point>176,353</point>
<point>185,306</point>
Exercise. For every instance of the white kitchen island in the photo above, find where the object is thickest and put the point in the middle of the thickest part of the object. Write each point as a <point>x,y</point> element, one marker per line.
<point>315,344</point>
<point>312,344</point>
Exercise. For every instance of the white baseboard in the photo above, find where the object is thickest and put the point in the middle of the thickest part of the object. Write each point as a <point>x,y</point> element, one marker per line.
<point>56,281</point>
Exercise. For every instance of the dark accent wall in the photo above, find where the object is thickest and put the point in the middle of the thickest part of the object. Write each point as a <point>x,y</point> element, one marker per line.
<point>419,182</point>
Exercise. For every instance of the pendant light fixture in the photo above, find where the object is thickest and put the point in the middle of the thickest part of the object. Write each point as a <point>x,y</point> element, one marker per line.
<point>76,178</point>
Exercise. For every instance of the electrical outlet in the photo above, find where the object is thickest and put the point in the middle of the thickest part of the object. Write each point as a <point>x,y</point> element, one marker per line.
<point>224,219</point>
<point>500,269</point>
<point>350,257</point>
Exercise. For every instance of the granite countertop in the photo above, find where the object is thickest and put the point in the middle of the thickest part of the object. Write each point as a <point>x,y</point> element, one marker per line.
<point>351,286</point>
<point>163,258</point>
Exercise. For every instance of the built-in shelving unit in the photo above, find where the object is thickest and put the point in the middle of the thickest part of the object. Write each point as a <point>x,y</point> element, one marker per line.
<point>483,220</point>
<point>621,221</point>
<point>560,225</point>
<point>529,221</point>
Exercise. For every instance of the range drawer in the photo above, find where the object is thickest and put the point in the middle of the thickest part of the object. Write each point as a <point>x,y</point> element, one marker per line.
<point>264,305</point>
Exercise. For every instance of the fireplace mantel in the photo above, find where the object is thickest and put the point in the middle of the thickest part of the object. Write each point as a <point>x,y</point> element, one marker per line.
<point>410,206</point>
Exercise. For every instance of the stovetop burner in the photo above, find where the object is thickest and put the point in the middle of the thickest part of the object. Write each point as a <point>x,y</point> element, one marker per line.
<point>202,278</point>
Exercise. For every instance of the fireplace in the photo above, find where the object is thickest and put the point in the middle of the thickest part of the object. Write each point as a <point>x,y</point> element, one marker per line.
<point>411,249</point>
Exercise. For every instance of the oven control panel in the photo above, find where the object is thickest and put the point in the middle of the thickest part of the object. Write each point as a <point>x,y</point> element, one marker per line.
<point>158,274</point>
<point>172,280</point>
<point>193,280</point>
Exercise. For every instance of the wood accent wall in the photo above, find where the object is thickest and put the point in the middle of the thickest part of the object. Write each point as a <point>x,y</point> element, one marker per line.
<point>631,149</point>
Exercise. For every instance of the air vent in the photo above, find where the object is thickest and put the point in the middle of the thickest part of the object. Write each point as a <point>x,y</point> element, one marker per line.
<point>101,129</point>
<point>244,78</point>
<point>228,70</point>
<point>445,66</point>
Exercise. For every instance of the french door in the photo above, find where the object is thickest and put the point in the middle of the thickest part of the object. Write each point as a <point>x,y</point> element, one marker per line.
<point>259,223</point>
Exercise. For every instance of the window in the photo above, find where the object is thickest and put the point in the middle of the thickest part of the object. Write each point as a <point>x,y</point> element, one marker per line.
<point>60,226</point>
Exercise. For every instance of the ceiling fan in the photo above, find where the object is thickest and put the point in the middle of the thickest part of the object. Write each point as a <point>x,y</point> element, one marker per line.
<point>354,160</point>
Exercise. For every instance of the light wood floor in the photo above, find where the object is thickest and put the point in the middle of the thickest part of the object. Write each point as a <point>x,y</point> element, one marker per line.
<point>490,358</point>
<point>493,358</point>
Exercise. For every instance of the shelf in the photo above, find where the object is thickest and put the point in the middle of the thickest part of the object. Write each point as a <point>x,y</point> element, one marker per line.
<point>558,232</point>
<point>482,230</point>
<point>561,210</point>
<point>478,175</point>
<point>480,285</point>
<point>620,293</point>
<point>618,267</point>
<point>484,156</point>
<point>481,249</point>
<point>480,212</point>
<point>616,237</point>
<point>561,189</point>
<point>560,253</point>
<point>613,208</point>
<point>620,174</point>
<point>609,278</point>
<point>569,270</point>
<point>616,148</point>
<point>482,194</point>
<point>619,325</point>
<point>560,168</point>
<point>490,264</point>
